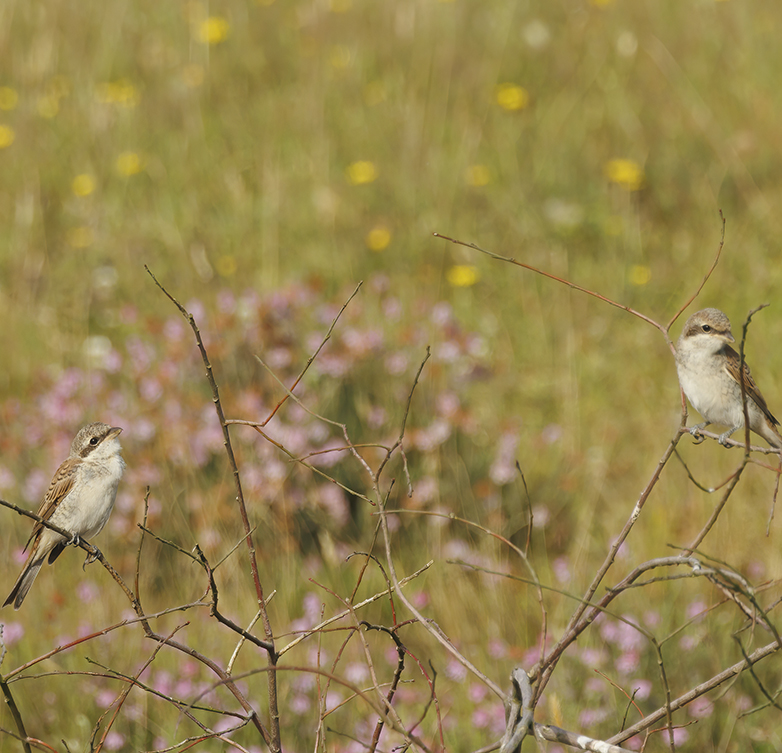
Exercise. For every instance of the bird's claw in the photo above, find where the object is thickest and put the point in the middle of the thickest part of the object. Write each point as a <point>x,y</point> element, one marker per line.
<point>75,540</point>
<point>88,560</point>
<point>697,437</point>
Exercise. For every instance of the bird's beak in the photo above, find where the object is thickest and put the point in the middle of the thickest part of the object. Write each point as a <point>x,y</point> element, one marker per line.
<point>728,338</point>
<point>114,431</point>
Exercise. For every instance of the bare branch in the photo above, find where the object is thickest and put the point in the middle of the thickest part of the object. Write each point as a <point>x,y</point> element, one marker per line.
<point>705,277</point>
<point>728,674</point>
<point>518,712</point>
<point>561,280</point>
<point>274,740</point>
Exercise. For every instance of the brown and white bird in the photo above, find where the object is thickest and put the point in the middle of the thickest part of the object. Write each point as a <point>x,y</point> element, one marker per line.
<point>708,371</point>
<point>80,500</point>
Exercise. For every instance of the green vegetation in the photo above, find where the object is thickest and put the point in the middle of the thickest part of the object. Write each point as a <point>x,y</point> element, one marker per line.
<point>264,157</point>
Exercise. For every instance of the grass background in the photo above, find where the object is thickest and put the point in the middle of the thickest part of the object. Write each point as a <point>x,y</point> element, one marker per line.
<point>264,157</point>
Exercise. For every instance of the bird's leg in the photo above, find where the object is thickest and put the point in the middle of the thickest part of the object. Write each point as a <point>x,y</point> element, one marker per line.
<point>725,435</point>
<point>75,541</point>
<point>696,431</point>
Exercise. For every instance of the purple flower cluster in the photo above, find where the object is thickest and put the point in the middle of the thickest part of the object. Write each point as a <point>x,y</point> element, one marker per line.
<point>145,374</point>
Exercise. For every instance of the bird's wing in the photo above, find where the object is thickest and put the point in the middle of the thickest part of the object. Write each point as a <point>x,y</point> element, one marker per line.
<point>732,362</point>
<point>61,484</point>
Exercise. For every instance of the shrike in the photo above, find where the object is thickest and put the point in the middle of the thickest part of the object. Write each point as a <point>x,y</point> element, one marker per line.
<point>708,371</point>
<point>80,500</point>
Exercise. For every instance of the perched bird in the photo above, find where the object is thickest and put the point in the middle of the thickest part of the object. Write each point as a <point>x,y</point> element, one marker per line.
<point>708,371</point>
<point>80,500</point>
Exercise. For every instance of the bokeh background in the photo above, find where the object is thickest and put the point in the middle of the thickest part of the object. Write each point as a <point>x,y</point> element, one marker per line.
<point>263,158</point>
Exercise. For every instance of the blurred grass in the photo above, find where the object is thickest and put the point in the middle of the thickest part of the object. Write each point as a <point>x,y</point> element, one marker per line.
<point>240,164</point>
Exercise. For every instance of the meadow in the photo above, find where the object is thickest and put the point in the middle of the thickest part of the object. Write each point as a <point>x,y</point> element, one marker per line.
<point>282,167</point>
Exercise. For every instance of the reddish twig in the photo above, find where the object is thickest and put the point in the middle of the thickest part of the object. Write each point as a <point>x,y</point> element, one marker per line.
<point>274,714</point>
<point>561,280</point>
<point>705,277</point>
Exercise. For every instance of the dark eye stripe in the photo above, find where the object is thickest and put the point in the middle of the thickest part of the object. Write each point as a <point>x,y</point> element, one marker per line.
<point>90,446</point>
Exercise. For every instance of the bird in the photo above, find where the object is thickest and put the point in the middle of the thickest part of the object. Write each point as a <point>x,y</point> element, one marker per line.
<point>708,370</point>
<point>80,499</point>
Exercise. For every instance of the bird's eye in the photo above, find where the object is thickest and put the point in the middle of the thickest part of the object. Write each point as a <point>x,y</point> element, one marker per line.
<point>706,328</point>
<point>94,441</point>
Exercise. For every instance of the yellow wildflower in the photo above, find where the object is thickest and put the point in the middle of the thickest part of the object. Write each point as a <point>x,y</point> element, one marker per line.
<point>83,184</point>
<point>640,274</point>
<point>378,238</point>
<point>8,98</point>
<point>477,175</point>
<point>7,136</point>
<point>625,173</point>
<point>361,172</point>
<point>512,97</point>
<point>462,275</point>
<point>213,30</point>
<point>129,163</point>
<point>120,92</point>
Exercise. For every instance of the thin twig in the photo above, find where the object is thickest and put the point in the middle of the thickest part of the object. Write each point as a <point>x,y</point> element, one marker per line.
<point>568,283</point>
<point>528,542</point>
<point>93,551</point>
<point>699,690</point>
<point>696,542</point>
<point>774,498</point>
<point>274,714</point>
<point>400,666</point>
<point>215,612</point>
<point>705,277</point>
<point>228,449</point>
<point>122,697</point>
<point>311,359</point>
<point>742,380</point>
<point>347,612</point>
<point>548,665</point>
<point>10,701</point>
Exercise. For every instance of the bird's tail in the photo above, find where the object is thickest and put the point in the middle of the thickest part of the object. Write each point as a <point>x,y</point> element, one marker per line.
<point>772,436</point>
<point>23,582</point>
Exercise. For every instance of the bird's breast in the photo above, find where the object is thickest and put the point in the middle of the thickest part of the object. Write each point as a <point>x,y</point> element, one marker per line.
<point>708,386</point>
<point>85,510</point>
